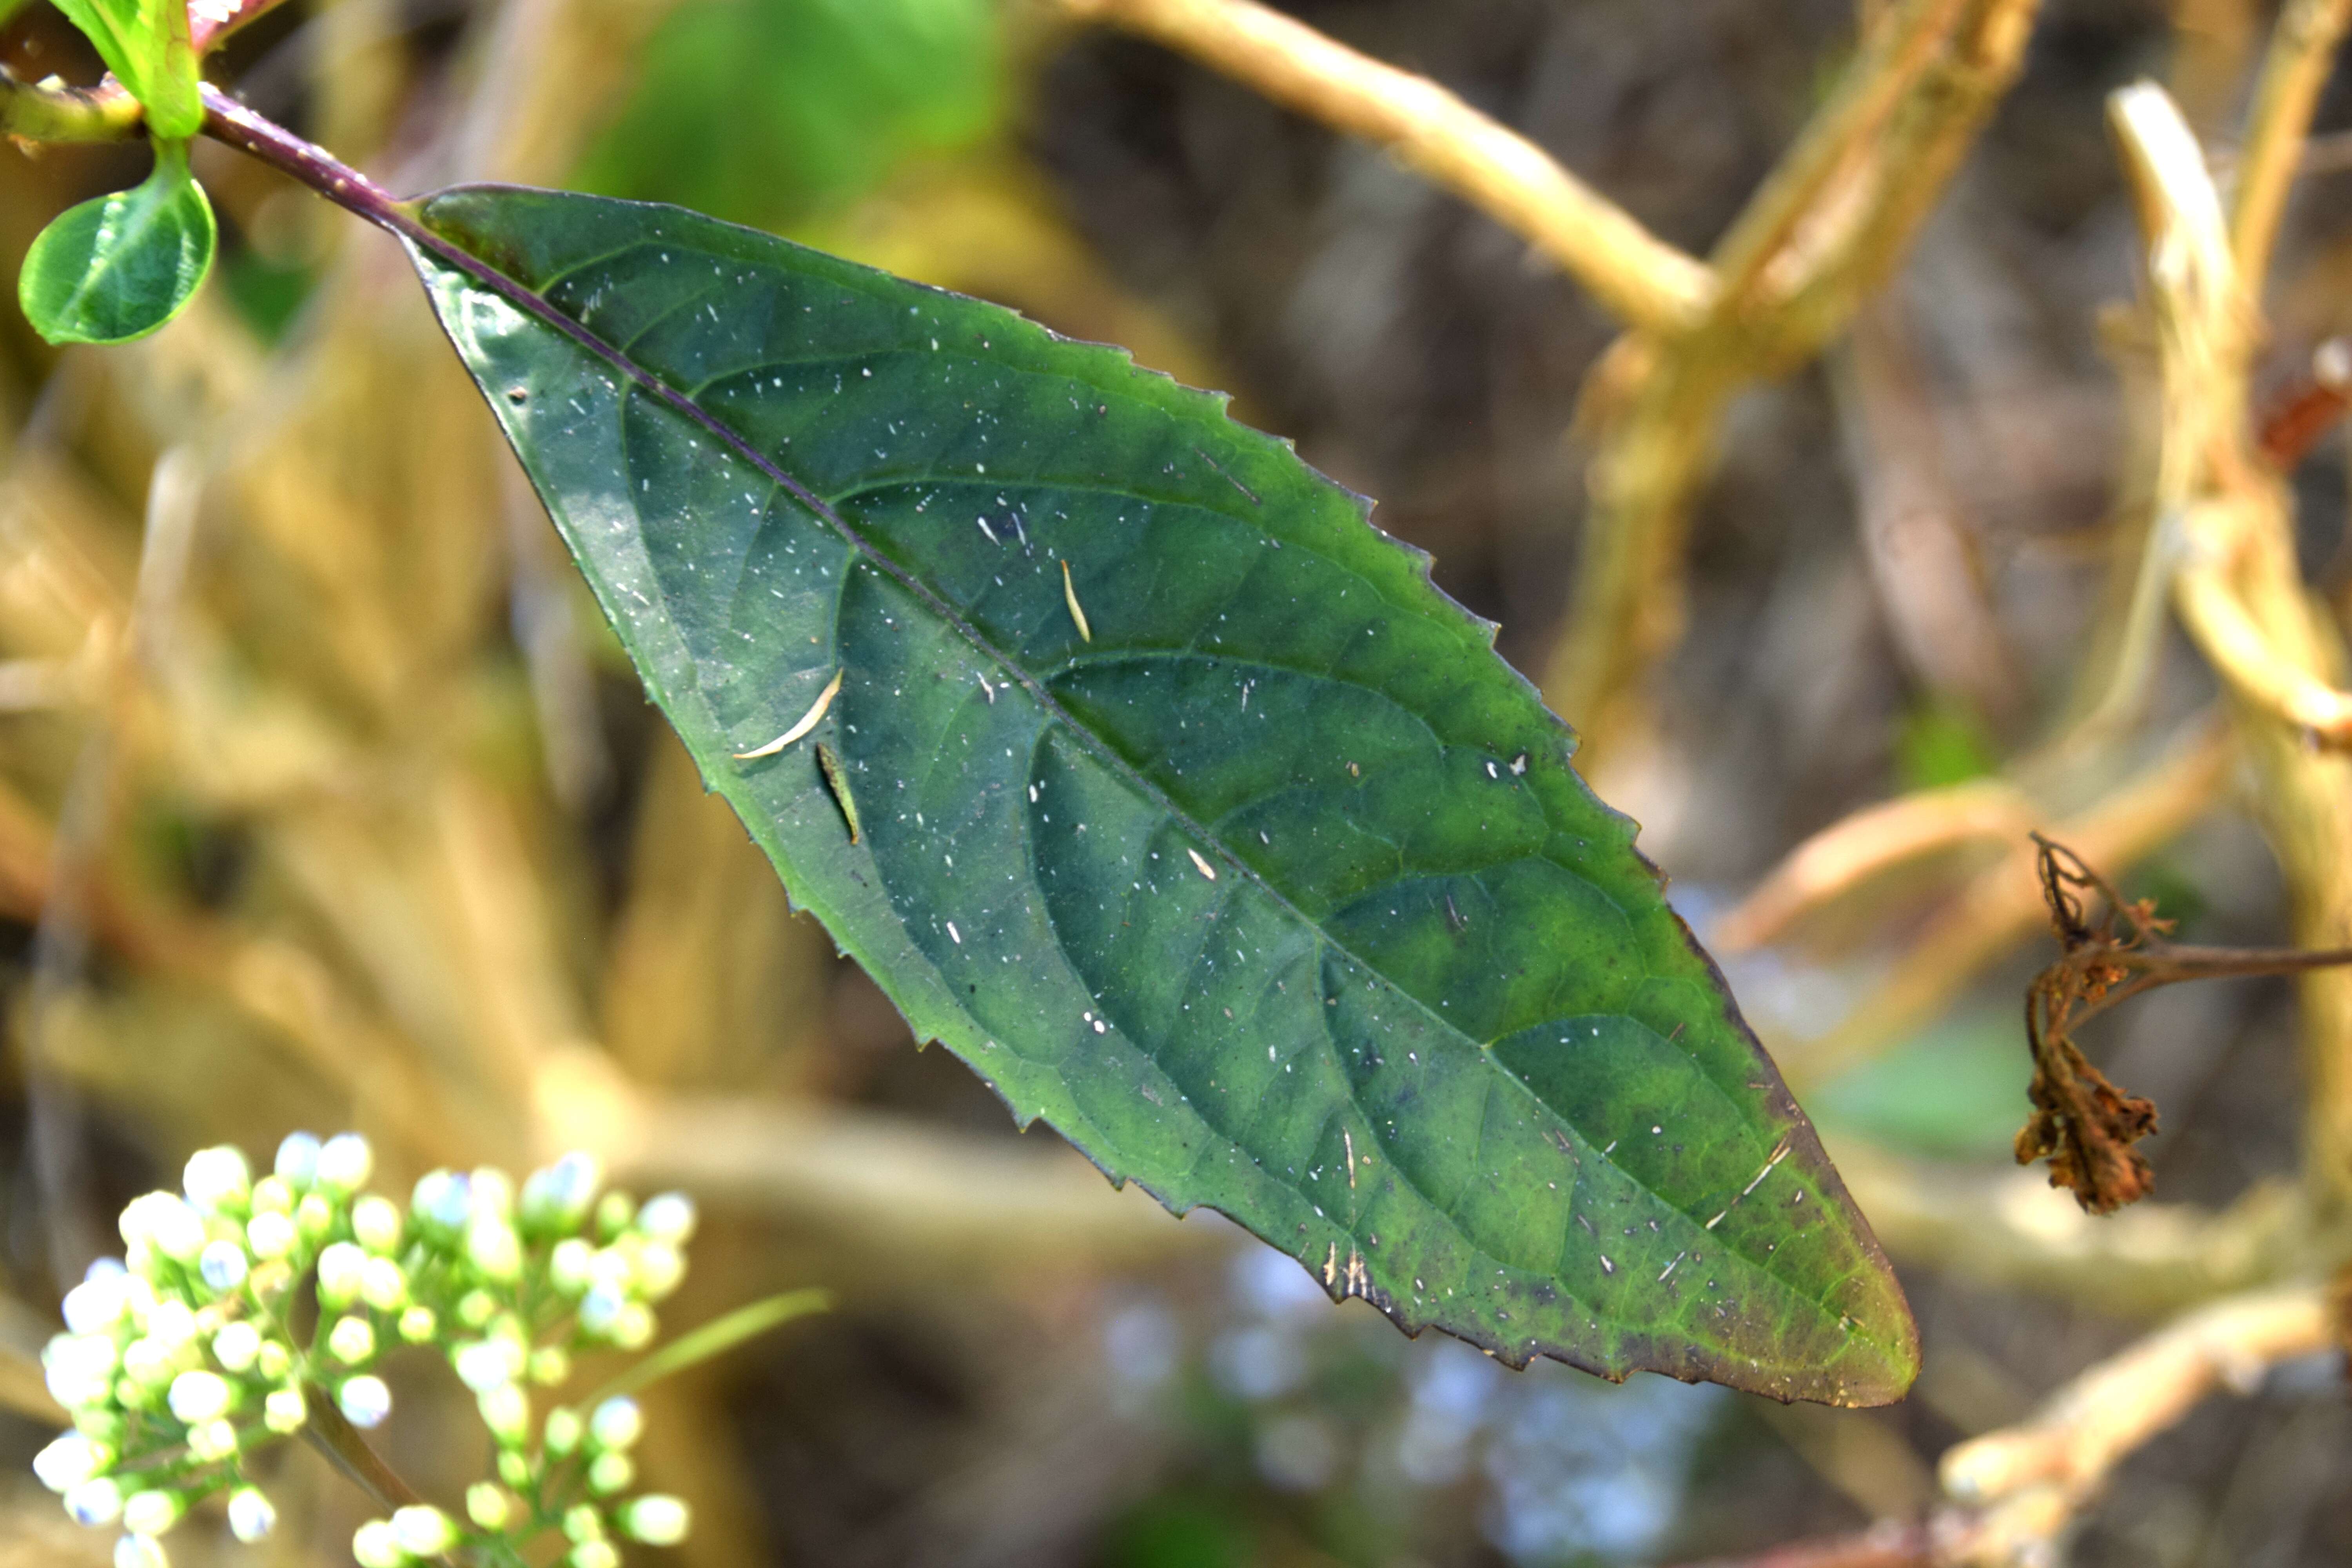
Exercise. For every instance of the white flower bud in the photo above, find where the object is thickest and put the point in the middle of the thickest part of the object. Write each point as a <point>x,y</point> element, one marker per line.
<point>351,1341</point>
<point>364,1400</point>
<point>165,1221</point>
<point>568,1267</point>
<point>153,1512</point>
<point>79,1368</point>
<point>97,1304</point>
<point>96,1502</point>
<point>617,1424</point>
<point>477,1308</point>
<point>276,1360</point>
<point>493,1192</point>
<point>493,1247</point>
<point>340,1268</point>
<point>443,1199</point>
<point>582,1523</point>
<point>633,1329</point>
<point>198,1396</point>
<point>488,1505</point>
<point>70,1460</point>
<point>610,1473</point>
<point>272,1194</point>
<point>314,1216</point>
<point>217,1179</point>
<point>384,1285</point>
<point>150,1363</point>
<point>656,1518</point>
<point>659,1267</point>
<point>562,1431</point>
<point>298,1159</point>
<point>376,1222</point>
<point>374,1545</point>
<point>614,1213</point>
<point>423,1531</point>
<point>222,1266</point>
<point>593,1555</point>
<point>237,1346</point>
<point>270,1234</point>
<point>558,1197</point>
<point>250,1516</point>
<point>171,1322</point>
<point>600,1308</point>
<point>140,1552</point>
<point>345,1163</point>
<point>418,1324</point>
<point>282,1411</point>
<point>213,1441</point>
<point>549,1365</point>
<point>506,1410</point>
<point>484,1365</point>
<point>668,1216</point>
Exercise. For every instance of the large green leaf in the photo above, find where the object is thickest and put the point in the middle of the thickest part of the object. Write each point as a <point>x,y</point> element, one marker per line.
<point>118,267</point>
<point>1275,894</point>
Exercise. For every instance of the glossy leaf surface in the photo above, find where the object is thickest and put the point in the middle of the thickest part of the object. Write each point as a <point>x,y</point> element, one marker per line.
<point>147,45</point>
<point>1194,819</point>
<point>122,266</point>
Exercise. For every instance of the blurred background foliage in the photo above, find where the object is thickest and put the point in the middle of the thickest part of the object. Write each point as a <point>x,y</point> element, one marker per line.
<point>326,800</point>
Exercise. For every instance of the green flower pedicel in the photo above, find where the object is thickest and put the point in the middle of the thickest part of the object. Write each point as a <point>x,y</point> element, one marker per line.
<point>180,1360</point>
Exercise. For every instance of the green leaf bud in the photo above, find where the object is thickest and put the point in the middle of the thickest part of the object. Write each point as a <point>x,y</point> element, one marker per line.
<point>656,1519</point>
<point>271,1234</point>
<point>423,1531</point>
<point>418,1324</point>
<point>217,1179</point>
<point>250,1516</point>
<point>338,1274</point>
<point>351,1341</point>
<point>152,1511</point>
<point>506,1410</point>
<point>364,1400</point>
<point>617,1424</point>
<point>376,1223</point>
<point>345,1163</point>
<point>282,1411</point>
<point>610,1473</point>
<point>374,1545</point>
<point>488,1505</point>
<point>214,1441</point>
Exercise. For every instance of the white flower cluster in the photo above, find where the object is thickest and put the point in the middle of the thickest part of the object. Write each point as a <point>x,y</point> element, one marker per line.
<point>178,1359</point>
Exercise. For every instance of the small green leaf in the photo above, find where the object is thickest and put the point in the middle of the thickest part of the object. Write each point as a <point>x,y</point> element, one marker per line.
<point>148,47</point>
<point>122,266</point>
<point>1193,817</point>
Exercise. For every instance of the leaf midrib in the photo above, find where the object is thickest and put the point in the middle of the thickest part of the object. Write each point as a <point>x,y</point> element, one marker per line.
<point>534,303</point>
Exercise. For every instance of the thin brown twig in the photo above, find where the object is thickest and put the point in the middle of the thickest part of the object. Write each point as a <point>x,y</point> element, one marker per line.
<point>1646,282</point>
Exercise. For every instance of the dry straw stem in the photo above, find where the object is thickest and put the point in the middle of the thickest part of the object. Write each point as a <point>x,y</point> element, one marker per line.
<point>1825,231</point>
<point>2236,586</point>
<point>1644,281</point>
<point>2002,906</point>
<point>2021,1484</point>
<point>1841,859</point>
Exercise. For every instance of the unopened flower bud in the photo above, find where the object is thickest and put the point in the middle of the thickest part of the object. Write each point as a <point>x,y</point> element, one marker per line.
<point>376,1222</point>
<point>222,1266</point>
<point>549,1366</point>
<point>250,1516</point>
<point>558,1198</point>
<point>582,1523</point>
<point>563,1431</point>
<point>484,1365</point>
<point>153,1512</point>
<point>70,1460</point>
<point>493,1192</point>
<point>477,1308</point>
<point>213,1441</point>
<point>314,1216</point>
<point>656,1518</point>
<point>364,1400</point>
<point>276,1360</point>
<point>488,1505</point>
<point>443,1199</point>
<point>97,1304</point>
<point>617,1424</point>
<point>667,1217</point>
<point>610,1473</point>
<point>633,1329</point>
<point>384,1285</point>
<point>568,1265</point>
<point>282,1411</point>
<point>351,1341</point>
<point>237,1346</point>
<point>270,1234</point>
<point>374,1545</point>
<point>345,1163</point>
<point>593,1555</point>
<point>272,1194</point>
<point>198,1396</point>
<point>659,1267</point>
<point>514,1468</point>
<point>423,1531</point>
<point>298,1159</point>
<point>339,1275</point>
<point>217,1179</point>
<point>140,1552</point>
<point>418,1324</point>
<point>492,1246</point>
<point>95,1502</point>
<point>164,1222</point>
<point>507,1413</point>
